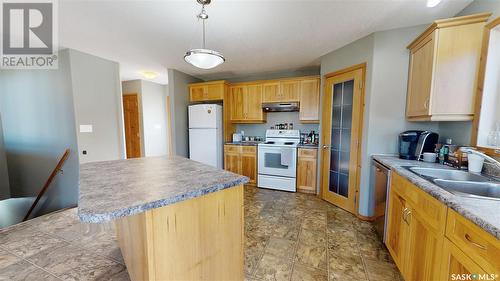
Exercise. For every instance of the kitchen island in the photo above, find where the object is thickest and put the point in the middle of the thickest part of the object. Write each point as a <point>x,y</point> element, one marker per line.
<point>176,219</point>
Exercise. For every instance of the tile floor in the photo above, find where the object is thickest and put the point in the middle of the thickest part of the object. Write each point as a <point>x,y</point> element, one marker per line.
<point>289,236</point>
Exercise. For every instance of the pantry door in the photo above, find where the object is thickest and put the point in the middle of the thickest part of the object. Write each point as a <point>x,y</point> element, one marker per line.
<point>342,123</point>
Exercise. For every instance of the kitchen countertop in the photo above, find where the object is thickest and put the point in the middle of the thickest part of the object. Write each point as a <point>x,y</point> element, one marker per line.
<point>120,188</point>
<point>245,143</point>
<point>482,212</point>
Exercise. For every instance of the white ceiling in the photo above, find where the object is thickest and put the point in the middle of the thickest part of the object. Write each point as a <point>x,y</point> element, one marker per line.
<point>254,35</point>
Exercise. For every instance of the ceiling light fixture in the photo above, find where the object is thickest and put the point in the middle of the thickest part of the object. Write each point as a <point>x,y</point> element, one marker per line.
<point>148,74</point>
<point>204,58</point>
<point>433,3</point>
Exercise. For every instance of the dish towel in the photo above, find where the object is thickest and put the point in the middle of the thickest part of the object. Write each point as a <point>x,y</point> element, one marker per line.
<point>286,156</point>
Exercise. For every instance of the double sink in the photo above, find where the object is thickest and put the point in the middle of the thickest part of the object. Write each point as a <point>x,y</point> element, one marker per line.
<point>461,183</point>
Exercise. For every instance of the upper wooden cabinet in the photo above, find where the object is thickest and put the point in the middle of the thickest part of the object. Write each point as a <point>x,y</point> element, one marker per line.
<point>208,91</point>
<point>444,62</point>
<point>281,91</point>
<point>309,100</point>
<point>246,104</point>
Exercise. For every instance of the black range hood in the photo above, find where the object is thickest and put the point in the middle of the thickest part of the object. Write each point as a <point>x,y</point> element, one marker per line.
<point>280,106</point>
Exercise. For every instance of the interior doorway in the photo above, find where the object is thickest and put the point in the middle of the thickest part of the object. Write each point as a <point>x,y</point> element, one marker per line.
<point>342,123</point>
<point>132,127</point>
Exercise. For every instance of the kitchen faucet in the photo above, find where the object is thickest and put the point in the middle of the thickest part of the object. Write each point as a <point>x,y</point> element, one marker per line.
<point>470,150</point>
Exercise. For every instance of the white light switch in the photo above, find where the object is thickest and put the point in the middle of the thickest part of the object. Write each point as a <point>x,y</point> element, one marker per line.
<point>85,128</point>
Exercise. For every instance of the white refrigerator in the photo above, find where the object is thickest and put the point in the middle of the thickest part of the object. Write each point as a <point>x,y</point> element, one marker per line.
<point>205,134</point>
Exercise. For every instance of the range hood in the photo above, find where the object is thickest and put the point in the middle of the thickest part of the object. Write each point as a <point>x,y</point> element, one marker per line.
<point>280,106</point>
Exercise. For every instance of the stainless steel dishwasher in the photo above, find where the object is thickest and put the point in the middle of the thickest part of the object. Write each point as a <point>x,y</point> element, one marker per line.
<point>381,187</point>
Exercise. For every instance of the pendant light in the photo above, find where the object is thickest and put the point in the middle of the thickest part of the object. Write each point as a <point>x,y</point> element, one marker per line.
<point>204,58</point>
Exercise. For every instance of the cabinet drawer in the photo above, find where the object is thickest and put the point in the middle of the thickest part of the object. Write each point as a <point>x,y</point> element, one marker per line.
<point>232,148</point>
<point>248,149</point>
<point>307,152</point>
<point>479,245</point>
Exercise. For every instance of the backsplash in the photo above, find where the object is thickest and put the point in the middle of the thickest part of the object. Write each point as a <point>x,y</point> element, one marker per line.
<point>274,118</point>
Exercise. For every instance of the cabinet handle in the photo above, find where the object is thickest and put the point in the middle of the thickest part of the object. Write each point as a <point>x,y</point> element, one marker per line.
<point>405,214</point>
<point>426,104</point>
<point>408,217</point>
<point>468,238</point>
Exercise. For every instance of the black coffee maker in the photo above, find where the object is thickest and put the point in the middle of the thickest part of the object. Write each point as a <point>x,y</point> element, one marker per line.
<point>412,144</point>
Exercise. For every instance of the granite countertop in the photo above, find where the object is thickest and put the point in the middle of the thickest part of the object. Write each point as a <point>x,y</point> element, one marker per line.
<point>482,212</point>
<point>246,143</point>
<point>120,188</point>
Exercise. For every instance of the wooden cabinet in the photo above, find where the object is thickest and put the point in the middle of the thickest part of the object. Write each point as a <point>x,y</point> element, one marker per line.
<point>455,263</point>
<point>443,70</point>
<point>241,160</point>
<point>208,91</point>
<point>309,100</point>
<point>281,91</point>
<point>415,230</point>
<point>246,104</point>
<point>306,170</point>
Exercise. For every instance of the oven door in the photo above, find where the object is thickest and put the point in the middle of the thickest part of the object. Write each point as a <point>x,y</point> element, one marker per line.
<point>277,161</point>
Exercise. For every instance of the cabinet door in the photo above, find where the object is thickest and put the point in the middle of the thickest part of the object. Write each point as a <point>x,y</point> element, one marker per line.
<point>253,103</point>
<point>397,229</point>
<point>420,78</point>
<point>456,263</point>
<point>197,93</point>
<point>215,92</point>
<point>237,103</point>
<point>309,100</point>
<point>232,161</point>
<point>249,166</point>
<point>289,90</point>
<point>271,92</point>
<point>306,174</point>
<point>424,251</point>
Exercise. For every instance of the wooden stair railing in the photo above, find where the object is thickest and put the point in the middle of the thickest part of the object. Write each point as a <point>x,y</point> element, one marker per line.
<point>48,182</point>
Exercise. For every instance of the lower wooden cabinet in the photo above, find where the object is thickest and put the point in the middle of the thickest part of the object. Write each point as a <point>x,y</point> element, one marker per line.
<point>413,240</point>
<point>429,241</point>
<point>455,263</point>
<point>306,170</point>
<point>241,160</point>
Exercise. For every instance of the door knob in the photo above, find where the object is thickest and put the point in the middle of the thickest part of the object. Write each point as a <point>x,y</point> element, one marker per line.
<point>326,146</point>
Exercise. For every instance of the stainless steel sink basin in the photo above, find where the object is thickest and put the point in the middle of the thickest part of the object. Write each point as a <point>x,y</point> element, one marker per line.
<point>460,182</point>
<point>490,190</point>
<point>448,174</point>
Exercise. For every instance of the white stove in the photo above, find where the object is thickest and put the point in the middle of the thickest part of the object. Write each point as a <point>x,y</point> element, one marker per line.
<point>277,160</point>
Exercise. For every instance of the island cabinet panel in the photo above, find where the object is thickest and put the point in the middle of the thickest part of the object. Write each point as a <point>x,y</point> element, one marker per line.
<point>306,170</point>
<point>443,68</point>
<point>309,100</point>
<point>196,239</point>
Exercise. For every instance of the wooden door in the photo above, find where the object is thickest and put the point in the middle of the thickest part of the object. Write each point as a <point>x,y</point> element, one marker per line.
<point>420,78</point>
<point>306,170</point>
<point>397,229</point>
<point>253,103</point>
<point>249,163</point>
<point>131,124</point>
<point>423,261</point>
<point>309,100</point>
<point>342,125</point>
<point>237,105</point>
<point>271,92</point>
<point>289,90</point>
<point>454,262</point>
